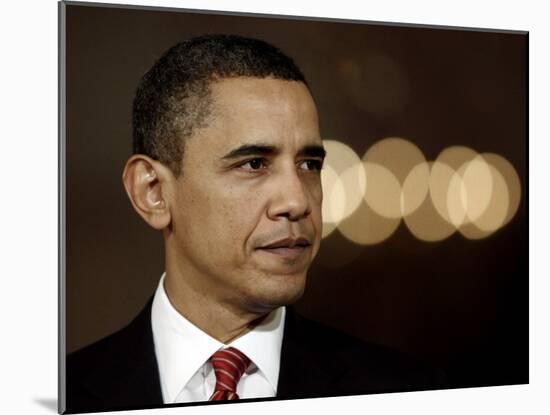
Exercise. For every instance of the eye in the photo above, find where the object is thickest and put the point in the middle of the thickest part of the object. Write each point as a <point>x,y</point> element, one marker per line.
<point>311,164</point>
<point>254,164</point>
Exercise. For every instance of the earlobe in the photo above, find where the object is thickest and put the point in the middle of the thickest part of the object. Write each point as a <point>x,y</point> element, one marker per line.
<point>144,182</point>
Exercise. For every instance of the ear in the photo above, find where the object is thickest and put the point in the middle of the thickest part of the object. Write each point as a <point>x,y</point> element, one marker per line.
<point>145,181</point>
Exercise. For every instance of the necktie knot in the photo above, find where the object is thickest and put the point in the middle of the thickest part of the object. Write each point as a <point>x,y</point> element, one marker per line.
<point>229,365</point>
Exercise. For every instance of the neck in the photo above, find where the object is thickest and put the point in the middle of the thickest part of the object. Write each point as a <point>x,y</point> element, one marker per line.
<point>219,319</point>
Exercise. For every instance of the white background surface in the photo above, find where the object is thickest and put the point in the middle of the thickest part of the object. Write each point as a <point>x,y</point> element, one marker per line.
<point>28,204</point>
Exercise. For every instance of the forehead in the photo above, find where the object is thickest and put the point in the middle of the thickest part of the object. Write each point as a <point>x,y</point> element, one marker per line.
<point>262,109</point>
<point>260,93</point>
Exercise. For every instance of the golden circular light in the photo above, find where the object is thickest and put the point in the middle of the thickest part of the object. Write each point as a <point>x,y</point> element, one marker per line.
<point>354,182</point>
<point>415,188</point>
<point>425,223</point>
<point>339,156</point>
<point>365,227</point>
<point>495,213</point>
<point>334,199</point>
<point>396,154</point>
<point>510,176</point>
<point>383,193</point>
<point>477,187</point>
<point>391,189</point>
<point>445,193</point>
<point>456,156</point>
<point>456,203</point>
<point>365,199</point>
<point>344,183</point>
<point>445,183</point>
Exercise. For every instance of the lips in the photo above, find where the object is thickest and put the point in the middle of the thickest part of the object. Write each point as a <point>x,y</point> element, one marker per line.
<point>287,248</point>
<point>299,242</point>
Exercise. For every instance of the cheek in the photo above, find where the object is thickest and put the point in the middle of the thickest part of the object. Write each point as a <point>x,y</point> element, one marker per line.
<point>316,195</point>
<point>316,209</point>
<point>318,224</point>
<point>239,213</point>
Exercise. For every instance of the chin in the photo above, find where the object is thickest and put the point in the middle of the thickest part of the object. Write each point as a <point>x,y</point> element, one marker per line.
<point>285,293</point>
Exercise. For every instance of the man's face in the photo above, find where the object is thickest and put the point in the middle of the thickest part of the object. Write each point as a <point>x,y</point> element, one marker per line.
<point>246,210</point>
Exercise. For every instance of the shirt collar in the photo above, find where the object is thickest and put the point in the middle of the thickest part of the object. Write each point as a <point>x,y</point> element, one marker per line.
<point>182,348</point>
<point>263,344</point>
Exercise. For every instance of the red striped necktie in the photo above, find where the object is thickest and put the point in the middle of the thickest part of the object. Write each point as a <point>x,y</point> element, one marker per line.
<point>229,365</point>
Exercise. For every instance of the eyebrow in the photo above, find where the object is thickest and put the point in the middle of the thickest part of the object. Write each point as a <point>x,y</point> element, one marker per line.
<point>264,149</point>
<point>314,150</point>
<point>249,150</point>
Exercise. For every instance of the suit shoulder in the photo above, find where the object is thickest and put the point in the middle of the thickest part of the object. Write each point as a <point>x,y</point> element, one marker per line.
<point>98,354</point>
<point>325,337</point>
<point>116,371</point>
<point>352,358</point>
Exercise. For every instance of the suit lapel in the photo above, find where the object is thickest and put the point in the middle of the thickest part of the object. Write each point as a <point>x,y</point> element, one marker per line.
<point>133,376</point>
<point>302,373</point>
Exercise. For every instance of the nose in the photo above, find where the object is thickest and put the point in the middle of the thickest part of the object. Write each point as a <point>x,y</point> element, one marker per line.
<point>290,197</point>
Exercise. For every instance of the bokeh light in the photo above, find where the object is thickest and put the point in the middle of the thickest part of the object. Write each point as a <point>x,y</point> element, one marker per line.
<point>494,214</point>
<point>344,183</point>
<point>456,202</point>
<point>425,223</point>
<point>415,188</point>
<point>476,188</point>
<point>383,193</point>
<point>510,176</point>
<point>334,199</point>
<point>388,164</point>
<point>354,182</point>
<point>366,227</point>
<point>396,154</point>
<point>365,199</point>
<point>445,185</point>
<point>339,156</point>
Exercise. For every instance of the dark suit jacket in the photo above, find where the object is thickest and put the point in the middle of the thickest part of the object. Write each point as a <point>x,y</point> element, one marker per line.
<point>120,371</point>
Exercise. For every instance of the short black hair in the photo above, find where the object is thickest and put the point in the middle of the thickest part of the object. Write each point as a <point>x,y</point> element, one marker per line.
<point>173,97</point>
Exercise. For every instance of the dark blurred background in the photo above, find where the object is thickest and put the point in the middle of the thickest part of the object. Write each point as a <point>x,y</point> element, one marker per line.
<point>460,304</point>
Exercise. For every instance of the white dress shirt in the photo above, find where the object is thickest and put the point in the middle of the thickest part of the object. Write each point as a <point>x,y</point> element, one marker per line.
<point>182,350</point>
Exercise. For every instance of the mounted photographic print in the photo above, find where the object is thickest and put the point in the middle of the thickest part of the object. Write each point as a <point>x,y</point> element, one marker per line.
<point>260,207</point>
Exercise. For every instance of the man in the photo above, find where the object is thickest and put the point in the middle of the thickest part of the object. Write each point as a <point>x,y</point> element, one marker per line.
<point>227,160</point>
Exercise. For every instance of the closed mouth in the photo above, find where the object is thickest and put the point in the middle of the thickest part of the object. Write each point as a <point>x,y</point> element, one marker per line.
<point>299,243</point>
<point>288,249</point>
